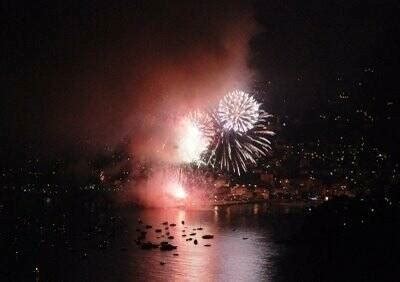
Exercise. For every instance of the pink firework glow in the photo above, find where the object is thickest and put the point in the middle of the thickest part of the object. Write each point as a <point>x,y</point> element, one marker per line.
<point>176,189</point>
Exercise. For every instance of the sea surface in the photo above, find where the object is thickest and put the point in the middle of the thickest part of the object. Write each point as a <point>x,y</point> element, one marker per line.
<point>248,244</point>
<point>90,237</point>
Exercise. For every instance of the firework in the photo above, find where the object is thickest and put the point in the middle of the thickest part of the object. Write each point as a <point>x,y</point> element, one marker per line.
<point>203,122</point>
<point>239,139</point>
<point>230,137</point>
<point>176,189</point>
<point>185,182</point>
<point>238,111</point>
<point>194,137</point>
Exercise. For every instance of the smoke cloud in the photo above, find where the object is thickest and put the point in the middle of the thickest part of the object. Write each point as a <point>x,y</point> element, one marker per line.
<point>109,71</point>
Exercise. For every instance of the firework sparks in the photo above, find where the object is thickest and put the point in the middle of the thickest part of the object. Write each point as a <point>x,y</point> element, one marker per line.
<point>229,138</point>
<point>176,189</point>
<point>238,111</point>
<point>194,137</point>
<point>204,123</point>
<point>242,138</point>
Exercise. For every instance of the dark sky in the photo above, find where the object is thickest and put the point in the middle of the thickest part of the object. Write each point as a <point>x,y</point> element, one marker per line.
<point>324,38</point>
<point>313,52</point>
<point>98,70</point>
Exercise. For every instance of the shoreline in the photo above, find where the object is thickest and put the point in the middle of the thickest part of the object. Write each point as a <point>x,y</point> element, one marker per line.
<point>297,204</point>
<point>273,203</point>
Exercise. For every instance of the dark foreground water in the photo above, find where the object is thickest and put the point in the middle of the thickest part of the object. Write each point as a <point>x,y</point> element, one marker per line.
<point>107,250</point>
<point>229,258</point>
<point>89,238</point>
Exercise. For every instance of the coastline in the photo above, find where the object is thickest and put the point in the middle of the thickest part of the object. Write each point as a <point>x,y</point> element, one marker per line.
<point>297,204</point>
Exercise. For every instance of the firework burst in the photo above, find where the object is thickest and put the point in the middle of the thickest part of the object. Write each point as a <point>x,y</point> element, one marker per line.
<point>241,135</point>
<point>204,122</point>
<point>238,111</point>
<point>194,137</point>
<point>229,138</point>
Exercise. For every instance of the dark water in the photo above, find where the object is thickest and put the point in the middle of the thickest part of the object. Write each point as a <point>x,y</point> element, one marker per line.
<point>229,258</point>
<point>104,255</point>
<point>87,237</point>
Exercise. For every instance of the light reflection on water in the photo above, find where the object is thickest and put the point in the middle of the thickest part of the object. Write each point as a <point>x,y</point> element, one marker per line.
<point>230,258</point>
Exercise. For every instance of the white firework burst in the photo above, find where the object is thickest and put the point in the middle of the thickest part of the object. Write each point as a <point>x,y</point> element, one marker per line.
<point>230,137</point>
<point>194,137</point>
<point>203,122</point>
<point>234,151</point>
<point>238,111</point>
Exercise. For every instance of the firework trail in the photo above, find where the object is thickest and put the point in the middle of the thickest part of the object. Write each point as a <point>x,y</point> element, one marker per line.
<point>234,150</point>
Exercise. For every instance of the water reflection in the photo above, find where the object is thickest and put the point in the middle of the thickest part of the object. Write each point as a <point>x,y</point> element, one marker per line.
<point>255,209</point>
<point>229,258</point>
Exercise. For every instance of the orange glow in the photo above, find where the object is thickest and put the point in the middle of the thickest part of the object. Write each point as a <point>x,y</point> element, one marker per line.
<point>191,142</point>
<point>178,191</point>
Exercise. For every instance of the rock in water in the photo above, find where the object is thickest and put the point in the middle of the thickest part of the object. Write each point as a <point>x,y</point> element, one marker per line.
<point>167,247</point>
<point>148,246</point>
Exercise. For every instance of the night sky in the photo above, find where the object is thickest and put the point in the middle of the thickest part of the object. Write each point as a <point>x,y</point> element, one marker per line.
<point>99,70</point>
<point>95,96</point>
